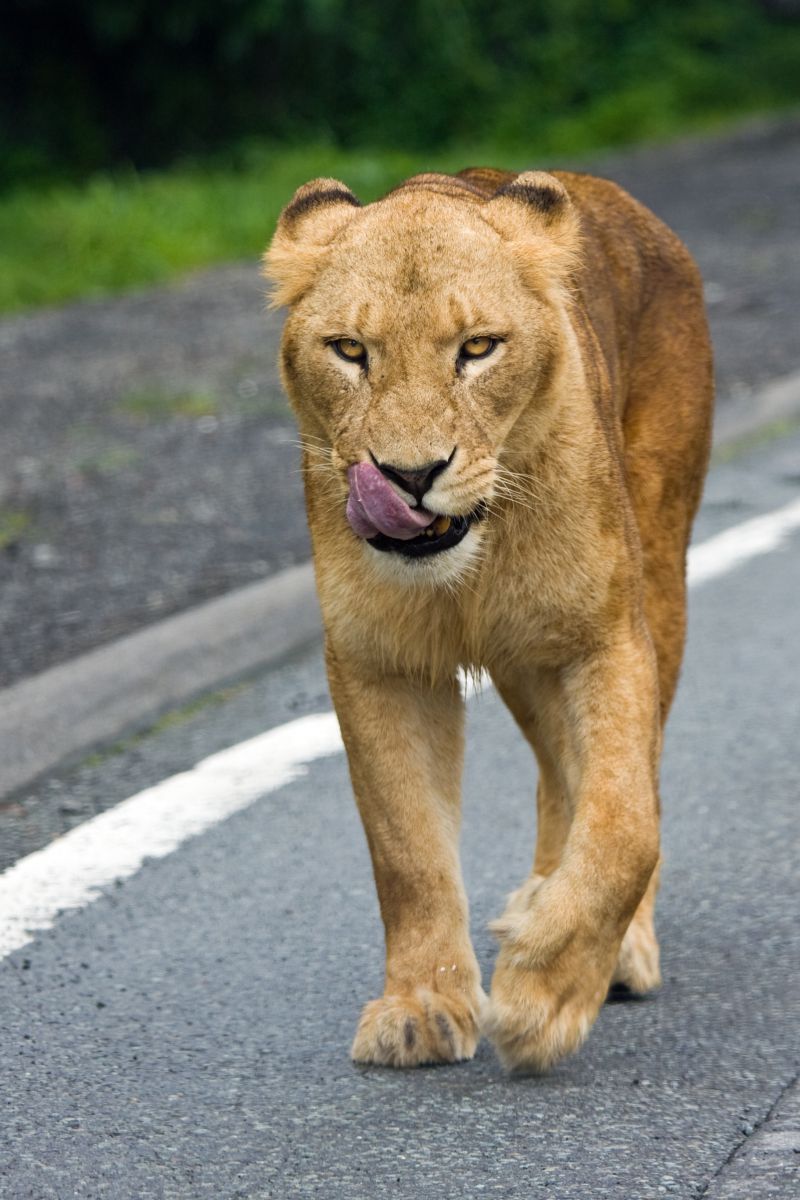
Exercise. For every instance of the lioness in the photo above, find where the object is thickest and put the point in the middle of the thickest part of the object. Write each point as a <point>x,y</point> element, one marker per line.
<point>503,385</point>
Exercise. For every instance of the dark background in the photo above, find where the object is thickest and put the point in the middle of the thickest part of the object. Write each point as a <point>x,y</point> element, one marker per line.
<point>93,84</point>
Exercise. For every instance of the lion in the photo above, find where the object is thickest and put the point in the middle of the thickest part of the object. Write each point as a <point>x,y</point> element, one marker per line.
<point>503,384</point>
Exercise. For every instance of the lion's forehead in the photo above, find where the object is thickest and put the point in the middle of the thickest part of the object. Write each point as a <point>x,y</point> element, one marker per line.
<point>434,273</point>
<point>419,241</point>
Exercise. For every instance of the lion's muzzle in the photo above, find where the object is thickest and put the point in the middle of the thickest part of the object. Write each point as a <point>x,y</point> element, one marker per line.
<point>376,513</point>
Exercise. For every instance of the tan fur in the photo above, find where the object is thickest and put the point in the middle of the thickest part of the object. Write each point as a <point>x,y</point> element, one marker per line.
<point>587,433</point>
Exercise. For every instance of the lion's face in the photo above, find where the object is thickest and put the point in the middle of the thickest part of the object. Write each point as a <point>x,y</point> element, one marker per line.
<point>417,336</point>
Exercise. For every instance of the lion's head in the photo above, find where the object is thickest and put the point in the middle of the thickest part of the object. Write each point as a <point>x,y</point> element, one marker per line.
<point>422,330</point>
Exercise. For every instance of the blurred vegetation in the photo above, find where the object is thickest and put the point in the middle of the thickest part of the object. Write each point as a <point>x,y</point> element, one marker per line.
<point>86,84</point>
<point>117,230</point>
<point>243,100</point>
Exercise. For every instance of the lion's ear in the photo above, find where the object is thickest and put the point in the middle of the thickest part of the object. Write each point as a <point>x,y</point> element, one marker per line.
<point>306,227</point>
<point>535,213</point>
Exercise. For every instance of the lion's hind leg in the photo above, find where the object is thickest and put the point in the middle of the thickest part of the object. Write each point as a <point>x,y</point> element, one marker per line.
<point>666,434</point>
<point>638,968</point>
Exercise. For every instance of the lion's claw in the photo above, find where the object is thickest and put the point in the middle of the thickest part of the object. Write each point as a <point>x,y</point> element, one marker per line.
<point>417,1027</point>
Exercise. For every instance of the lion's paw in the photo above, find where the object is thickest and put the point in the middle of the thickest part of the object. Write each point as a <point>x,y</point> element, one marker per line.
<point>549,984</point>
<point>638,968</point>
<point>418,1027</point>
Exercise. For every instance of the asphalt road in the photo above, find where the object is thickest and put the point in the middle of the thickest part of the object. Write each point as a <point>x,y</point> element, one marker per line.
<point>186,1035</point>
<point>147,458</point>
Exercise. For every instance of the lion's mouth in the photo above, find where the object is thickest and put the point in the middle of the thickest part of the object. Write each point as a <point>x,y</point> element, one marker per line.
<point>376,513</point>
<point>444,533</point>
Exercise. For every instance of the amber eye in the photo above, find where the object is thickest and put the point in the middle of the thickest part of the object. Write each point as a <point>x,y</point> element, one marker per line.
<point>478,347</point>
<point>350,350</point>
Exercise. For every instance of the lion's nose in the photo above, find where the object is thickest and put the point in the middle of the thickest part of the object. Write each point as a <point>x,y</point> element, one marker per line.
<point>414,480</point>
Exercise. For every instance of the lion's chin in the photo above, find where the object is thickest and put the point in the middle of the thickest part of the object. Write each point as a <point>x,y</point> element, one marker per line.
<point>444,567</point>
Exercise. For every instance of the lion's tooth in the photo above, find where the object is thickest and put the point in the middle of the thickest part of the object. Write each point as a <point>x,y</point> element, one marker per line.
<point>441,525</point>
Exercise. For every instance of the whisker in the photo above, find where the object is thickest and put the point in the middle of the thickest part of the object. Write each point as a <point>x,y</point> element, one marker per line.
<point>523,483</point>
<point>514,499</point>
<point>321,468</point>
<point>311,437</point>
<point>528,483</point>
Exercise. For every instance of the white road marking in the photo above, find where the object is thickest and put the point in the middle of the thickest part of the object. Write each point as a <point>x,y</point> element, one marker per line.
<point>735,546</point>
<point>71,872</point>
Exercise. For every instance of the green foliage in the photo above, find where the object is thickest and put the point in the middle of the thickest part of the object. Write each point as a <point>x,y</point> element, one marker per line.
<point>98,83</point>
<point>127,229</point>
<point>253,97</point>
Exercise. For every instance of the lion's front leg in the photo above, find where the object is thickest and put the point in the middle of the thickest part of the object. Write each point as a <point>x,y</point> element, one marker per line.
<point>404,743</point>
<point>561,934</point>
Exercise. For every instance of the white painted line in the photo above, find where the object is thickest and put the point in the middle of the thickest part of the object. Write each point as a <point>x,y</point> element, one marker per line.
<point>71,872</point>
<point>735,546</point>
<point>94,697</point>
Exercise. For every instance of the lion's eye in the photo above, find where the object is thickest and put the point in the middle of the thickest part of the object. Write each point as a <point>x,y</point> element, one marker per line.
<point>478,347</point>
<point>350,350</point>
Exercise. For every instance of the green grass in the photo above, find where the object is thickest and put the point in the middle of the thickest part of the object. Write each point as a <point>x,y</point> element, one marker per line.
<point>768,433</point>
<point>111,459</point>
<point>14,522</point>
<point>129,230</point>
<point>173,719</point>
<point>155,404</point>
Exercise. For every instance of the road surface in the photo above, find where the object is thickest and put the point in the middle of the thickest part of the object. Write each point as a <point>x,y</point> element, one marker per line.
<point>185,1033</point>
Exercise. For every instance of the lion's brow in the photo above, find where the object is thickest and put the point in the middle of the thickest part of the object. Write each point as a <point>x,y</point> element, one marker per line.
<point>457,310</point>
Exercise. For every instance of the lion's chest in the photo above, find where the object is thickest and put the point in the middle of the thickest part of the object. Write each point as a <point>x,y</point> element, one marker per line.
<point>522,608</point>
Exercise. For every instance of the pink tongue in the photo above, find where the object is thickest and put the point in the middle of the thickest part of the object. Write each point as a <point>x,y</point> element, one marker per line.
<point>374,507</point>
